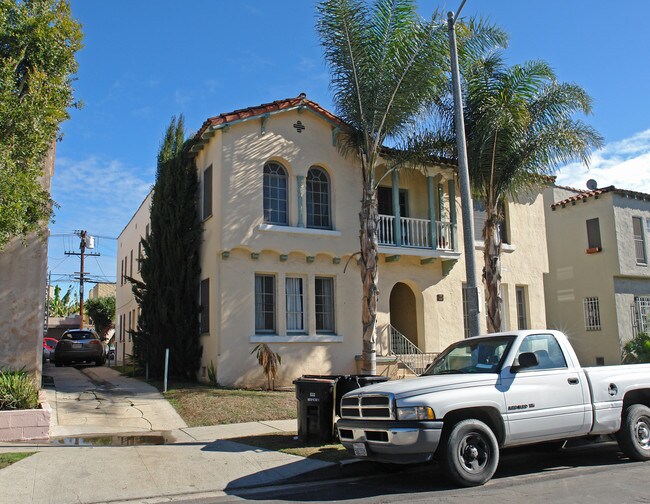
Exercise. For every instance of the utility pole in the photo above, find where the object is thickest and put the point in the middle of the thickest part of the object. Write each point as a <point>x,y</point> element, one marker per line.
<point>86,242</point>
<point>463,178</point>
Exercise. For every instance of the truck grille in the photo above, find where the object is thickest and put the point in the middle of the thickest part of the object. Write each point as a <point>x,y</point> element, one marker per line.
<point>377,406</point>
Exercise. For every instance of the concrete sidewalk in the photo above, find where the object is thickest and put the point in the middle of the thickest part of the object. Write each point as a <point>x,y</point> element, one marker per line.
<point>198,461</point>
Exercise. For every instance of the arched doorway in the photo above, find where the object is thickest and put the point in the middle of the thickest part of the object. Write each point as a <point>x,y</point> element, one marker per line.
<point>403,311</point>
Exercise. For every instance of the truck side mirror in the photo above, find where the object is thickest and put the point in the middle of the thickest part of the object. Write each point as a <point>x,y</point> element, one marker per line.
<point>526,360</point>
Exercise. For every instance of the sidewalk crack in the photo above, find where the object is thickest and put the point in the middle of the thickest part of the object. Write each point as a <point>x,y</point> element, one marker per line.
<point>141,414</point>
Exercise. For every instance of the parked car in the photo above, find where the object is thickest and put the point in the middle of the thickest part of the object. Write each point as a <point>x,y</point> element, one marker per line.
<point>48,348</point>
<point>80,345</point>
<point>491,392</point>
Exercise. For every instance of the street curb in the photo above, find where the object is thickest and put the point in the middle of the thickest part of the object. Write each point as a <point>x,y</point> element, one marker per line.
<point>352,468</point>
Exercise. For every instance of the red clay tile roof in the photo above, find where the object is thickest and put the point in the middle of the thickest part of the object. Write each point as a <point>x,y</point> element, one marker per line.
<point>584,195</point>
<point>277,106</point>
<point>266,108</point>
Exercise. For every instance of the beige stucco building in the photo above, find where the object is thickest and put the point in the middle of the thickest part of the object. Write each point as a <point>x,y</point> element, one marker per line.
<point>598,285</point>
<point>129,253</point>
<point>102,290</point>
<point>280,206</point>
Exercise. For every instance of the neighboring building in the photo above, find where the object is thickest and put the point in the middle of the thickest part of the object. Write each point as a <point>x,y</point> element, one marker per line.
<point>56,326</point>
<point>23,289</point>
<point>129,253</point>
<point>280,207</point>
<point>598,286</point>
<point>102,290</point>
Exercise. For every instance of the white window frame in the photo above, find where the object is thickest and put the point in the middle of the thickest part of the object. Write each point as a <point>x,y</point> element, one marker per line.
<point>265,330</point>
<point>639,243</point>
<point>326,330</point>
<point>275,177</point>
<point>522,307</point>
<point>322,189</point>
<point>295,304</point>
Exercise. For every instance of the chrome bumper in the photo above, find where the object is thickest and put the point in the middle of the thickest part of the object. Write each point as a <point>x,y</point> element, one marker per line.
<point>392,441</point>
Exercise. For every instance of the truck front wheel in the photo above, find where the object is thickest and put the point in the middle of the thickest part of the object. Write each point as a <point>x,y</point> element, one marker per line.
<point>634,436</point>
<point>470,454</point>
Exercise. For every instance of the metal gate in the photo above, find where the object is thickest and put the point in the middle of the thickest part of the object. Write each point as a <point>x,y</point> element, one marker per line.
<point>641,315</point>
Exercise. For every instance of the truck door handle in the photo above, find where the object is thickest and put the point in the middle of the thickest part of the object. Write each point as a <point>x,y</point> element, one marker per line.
<point>573,381</point>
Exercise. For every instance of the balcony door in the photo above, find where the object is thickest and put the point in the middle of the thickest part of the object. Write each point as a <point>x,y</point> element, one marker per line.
<point>385,201</point>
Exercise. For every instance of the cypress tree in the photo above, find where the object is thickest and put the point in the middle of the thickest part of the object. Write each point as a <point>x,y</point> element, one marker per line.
<point>168,294</point>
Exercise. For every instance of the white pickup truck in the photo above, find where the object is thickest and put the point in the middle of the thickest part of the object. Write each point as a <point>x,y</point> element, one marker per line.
<point>490,392</point>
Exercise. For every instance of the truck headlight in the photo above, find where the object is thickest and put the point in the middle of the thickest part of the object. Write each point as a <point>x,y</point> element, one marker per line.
<point>416,413</point>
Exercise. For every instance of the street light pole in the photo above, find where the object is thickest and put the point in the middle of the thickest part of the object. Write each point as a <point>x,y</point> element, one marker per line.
<point>463,177</point>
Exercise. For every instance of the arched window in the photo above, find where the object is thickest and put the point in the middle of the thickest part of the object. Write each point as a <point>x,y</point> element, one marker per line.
<point>318,199</point>
<point>275,194</point>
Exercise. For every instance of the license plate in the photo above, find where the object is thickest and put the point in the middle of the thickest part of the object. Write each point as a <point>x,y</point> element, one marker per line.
<point>76,345</point>
<point>360,449</point>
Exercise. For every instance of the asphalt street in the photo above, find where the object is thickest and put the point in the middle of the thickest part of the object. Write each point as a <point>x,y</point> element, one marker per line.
<point>595,473</point>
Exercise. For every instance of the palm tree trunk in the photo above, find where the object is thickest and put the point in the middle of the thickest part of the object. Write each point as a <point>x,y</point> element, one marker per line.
<point>492,269</point>
<point>369,219</point>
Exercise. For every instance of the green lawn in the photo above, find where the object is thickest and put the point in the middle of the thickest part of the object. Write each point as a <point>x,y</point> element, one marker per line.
<point>6,459</point>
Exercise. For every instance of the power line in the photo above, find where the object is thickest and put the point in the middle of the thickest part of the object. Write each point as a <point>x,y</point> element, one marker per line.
<point>90,234</point>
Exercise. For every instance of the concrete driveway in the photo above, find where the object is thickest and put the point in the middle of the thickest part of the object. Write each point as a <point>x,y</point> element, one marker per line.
<point>98,400</point>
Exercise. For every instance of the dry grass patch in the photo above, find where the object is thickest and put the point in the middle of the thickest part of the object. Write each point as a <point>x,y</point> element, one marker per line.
<point>289,443</point>
<point>201,405</point>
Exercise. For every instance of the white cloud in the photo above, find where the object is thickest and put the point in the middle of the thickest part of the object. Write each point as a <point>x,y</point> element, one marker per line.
<point>624,164</point>
<point>252,10</point>
<point>97,194</point>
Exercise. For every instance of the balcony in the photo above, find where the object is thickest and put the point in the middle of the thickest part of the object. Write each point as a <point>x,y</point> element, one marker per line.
<point>417,234</point>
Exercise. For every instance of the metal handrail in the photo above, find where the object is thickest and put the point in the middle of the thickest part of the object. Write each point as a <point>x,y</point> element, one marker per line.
<point>407,352</point>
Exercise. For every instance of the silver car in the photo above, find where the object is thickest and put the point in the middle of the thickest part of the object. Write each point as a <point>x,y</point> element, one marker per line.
<point>79,345</point>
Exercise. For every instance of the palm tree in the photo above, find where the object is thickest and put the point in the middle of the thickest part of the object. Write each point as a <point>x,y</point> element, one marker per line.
<point>388,66</point>
<point>520,128</point>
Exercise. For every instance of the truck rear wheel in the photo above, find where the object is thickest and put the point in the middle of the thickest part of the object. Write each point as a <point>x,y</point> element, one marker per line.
<point>634,435</point>
<point>471,453</point>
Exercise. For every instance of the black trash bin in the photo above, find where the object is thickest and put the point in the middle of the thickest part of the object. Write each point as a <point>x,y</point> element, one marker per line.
<point>347,383</point>
<point>315,396</point>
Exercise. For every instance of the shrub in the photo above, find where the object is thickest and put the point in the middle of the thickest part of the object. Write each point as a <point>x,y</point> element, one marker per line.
<point>17,390</point>
<point>637,349</point>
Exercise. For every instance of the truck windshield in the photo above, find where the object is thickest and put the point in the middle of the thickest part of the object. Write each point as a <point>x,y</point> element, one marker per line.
<point>474,355</point>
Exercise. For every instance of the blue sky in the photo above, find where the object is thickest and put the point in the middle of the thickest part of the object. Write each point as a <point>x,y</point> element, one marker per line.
<point>145,61</point>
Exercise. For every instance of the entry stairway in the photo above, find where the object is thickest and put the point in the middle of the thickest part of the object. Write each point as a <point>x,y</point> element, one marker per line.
<point>413,360</point>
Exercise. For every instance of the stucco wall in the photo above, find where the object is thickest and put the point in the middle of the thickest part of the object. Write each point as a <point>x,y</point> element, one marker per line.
<point>23,283</point>
<point>575,275</point>
<point>127,255</point>
<point>624,210</point>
